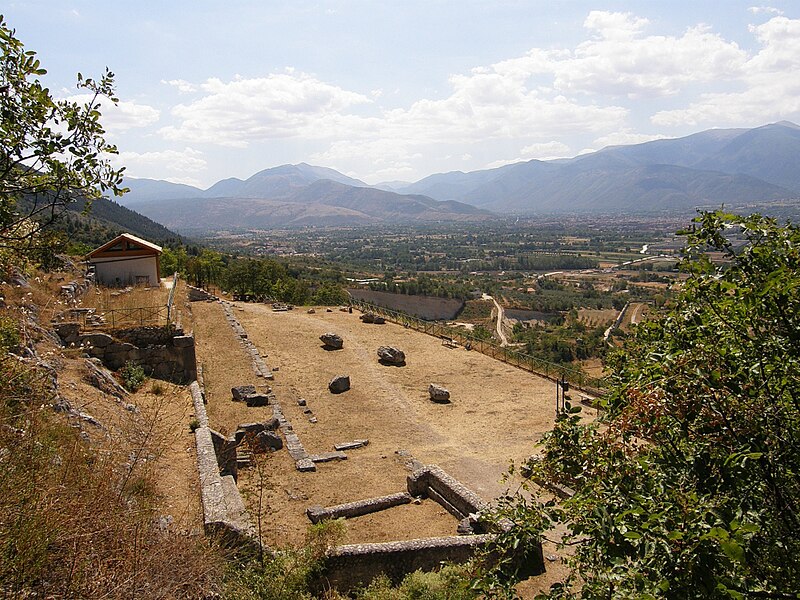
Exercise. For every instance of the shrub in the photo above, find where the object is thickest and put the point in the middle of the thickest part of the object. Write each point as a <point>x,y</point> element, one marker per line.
<point>133,376</point>
<point>9,333</point>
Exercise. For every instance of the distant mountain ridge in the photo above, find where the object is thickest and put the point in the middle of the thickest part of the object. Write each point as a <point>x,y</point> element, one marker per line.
<point>287,196</point>
<point>705,169</point>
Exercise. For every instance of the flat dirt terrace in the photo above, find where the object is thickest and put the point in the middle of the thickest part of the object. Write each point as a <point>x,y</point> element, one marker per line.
<point>497,414</point>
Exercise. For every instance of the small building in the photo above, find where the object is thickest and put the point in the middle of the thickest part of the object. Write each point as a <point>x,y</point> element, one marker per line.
<point>126,260</point>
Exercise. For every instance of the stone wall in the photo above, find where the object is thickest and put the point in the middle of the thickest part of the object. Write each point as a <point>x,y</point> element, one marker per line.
<point>352,566</point>
<point>164,352</point>
<point>224,514</point>
<point>431,481</point>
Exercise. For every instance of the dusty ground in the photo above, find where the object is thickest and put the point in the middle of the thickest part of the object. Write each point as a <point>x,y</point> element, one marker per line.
<point>157,433</point>
<point>497,414</point>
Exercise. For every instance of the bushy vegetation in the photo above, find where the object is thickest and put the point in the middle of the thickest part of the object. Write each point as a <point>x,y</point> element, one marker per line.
<point>73,523</point>
<point>691,487</point>
<point>133,376</point>
<point>563,341</point>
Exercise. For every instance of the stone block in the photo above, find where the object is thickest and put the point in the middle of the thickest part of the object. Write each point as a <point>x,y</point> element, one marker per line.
<point>240,391</point>
<point>328,457</point>
<point>183,341</point>
<point>98,340</point>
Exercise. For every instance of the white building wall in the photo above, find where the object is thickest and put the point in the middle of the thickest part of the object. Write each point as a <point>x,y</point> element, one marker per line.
<point>125,271</point>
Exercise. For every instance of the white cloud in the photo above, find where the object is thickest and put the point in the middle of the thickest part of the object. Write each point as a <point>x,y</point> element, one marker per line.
<point>769,84</point>
<point>238,112</point>
<point>626,137</point>
<point>621,61</point>
<point>177,166</point>
<point>123,116</point>
<point>545,151</point>
<point>183,86</point>
<point>765,9</point>
<point>580,96</point>
<point>537,151</point>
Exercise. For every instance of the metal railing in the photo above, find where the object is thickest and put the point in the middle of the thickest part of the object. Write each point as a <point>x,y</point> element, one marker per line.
<point>533,364</point>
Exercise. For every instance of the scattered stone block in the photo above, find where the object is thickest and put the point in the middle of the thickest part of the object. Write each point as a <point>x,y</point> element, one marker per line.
<point>304,465</point>
<point>378,320</point>
<point>328,457</point>
<point>332,340</point>
<point>267,440</point>
<point>312,420</point>
<point>390,355</point>
<point>339,384</point>
<point>243,429</point>
<point>350,510</point>
<point>439,394</point>
<point>368,317</point>
<point>351,445</point>
<point>250,396</point>
<point>311,311</point>
<point>301,402</point>
<point>256,400</point>
<point>239,392</point>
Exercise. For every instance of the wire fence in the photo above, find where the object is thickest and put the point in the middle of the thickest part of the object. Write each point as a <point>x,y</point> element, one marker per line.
<point>452,336</point>
<point>125,317</point>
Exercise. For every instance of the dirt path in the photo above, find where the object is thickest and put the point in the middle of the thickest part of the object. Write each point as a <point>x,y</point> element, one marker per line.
<point>500,317</point>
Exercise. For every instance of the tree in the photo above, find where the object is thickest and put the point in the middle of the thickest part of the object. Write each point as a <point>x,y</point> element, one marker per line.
<point>51,151</point>
<point>692,489</point>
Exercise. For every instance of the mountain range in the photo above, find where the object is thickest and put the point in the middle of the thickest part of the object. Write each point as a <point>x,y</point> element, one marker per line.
<point>706,169</point>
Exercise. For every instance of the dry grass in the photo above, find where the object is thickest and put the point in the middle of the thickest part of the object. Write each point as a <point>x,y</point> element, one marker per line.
<point>79,519</point>
<point>83,512</point>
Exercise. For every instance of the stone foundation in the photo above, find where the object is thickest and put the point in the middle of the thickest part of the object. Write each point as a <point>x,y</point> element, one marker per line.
<point>352,566</point>
<point>164,352</point>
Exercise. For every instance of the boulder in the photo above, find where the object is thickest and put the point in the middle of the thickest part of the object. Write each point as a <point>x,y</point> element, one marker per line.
<point>378,320</point>
<point>243,429</point>
<point>240,391</point>
<point>332,340</point>
<point>391,356</point>
<point>68,332</point>
<point>311,311</point>
<point>368,317</point>
<point>439,393</point>
<point>267,440</point>
<point>97,340</point>
<point>258,399</point>
<point>250,396</point>
<point>339,384</point>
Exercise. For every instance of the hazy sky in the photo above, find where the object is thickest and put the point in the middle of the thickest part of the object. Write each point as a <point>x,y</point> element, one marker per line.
<point>397,90</point>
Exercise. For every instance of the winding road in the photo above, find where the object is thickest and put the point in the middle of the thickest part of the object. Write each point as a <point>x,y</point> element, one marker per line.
<point>500,317</point>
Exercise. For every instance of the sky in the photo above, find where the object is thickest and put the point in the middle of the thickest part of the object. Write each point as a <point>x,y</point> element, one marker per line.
<point>397,90</point>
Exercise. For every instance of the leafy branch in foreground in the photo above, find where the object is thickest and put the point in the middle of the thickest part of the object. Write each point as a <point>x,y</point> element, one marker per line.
<point>51,151</point>
<point>692,489</point>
